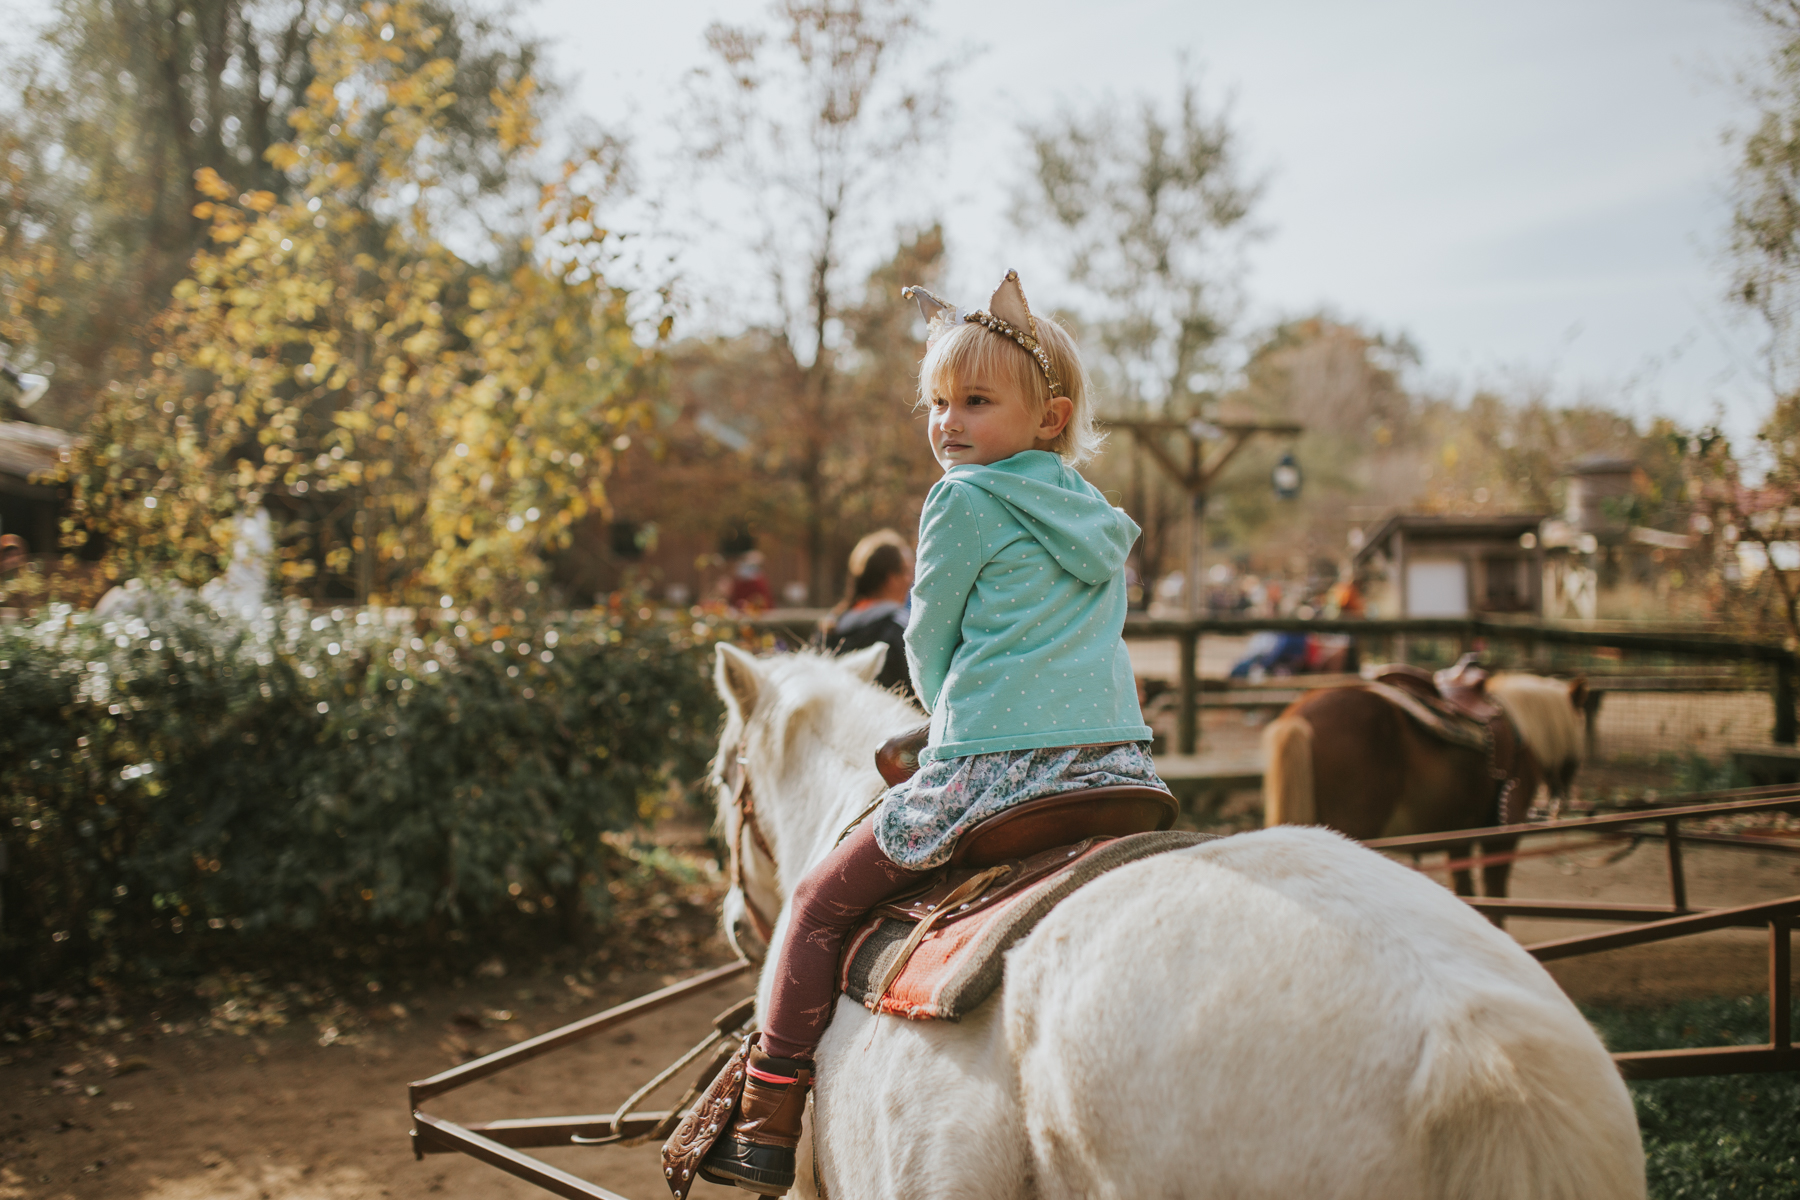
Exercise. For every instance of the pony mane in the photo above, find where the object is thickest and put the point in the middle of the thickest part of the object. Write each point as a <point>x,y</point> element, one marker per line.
<point>853,715</point>
<point>1541,711</point>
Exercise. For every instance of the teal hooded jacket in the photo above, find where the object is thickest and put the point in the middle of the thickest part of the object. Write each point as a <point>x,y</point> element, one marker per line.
<point>1018,607</point>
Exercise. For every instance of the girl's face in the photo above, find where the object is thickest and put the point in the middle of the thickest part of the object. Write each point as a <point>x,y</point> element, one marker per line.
<point>982,420</point>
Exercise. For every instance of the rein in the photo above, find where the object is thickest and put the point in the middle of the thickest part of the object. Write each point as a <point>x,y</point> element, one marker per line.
<point>743,799</point>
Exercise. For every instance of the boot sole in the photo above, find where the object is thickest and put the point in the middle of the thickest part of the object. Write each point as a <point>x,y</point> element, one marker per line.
<point>764,1187</point>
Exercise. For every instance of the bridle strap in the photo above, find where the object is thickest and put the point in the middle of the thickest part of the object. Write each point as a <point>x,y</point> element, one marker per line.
<point>744,801</point>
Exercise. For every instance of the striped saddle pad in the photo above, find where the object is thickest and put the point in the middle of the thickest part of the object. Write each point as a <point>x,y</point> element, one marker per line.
<point>960,962</point>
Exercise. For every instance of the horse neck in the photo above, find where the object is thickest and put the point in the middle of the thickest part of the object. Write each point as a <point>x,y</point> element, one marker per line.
<point>826,780</point>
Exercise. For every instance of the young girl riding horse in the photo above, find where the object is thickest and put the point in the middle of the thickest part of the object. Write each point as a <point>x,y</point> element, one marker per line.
<point>1014,647</point>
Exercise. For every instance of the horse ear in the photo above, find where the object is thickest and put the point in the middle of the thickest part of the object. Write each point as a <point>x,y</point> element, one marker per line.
<point>1578,693</point>
<point>737,677</point>
<point>867,662</point>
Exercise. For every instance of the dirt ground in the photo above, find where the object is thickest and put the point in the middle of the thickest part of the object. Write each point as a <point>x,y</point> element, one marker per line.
<point>149,1115</point>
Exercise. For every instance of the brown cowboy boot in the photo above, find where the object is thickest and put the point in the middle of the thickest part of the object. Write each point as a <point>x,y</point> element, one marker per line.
<point>757,1151</point>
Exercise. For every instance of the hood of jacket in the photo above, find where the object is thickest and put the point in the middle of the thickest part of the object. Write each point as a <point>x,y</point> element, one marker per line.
<point>1065,513</point>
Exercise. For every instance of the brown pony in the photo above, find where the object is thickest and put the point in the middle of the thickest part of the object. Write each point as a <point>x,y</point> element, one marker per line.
<point>1347,758</point>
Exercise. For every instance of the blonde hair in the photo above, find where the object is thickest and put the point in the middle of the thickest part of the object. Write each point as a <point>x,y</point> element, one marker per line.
<point>972,351</point>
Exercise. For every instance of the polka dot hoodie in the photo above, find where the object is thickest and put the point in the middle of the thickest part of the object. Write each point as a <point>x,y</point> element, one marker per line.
<point>1018,607</point>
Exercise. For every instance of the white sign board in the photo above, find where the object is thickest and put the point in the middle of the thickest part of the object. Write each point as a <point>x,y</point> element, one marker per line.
<point>1437,589</point>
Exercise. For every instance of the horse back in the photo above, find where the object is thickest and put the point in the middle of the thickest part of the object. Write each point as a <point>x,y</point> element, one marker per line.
<point>1376,774</point>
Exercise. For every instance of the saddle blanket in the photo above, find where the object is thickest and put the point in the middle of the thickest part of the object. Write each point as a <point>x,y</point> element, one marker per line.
<point>961,961</point>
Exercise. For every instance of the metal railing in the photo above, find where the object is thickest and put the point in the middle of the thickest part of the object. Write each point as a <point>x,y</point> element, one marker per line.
<point>501,1143</point>
<point>1647,923</point>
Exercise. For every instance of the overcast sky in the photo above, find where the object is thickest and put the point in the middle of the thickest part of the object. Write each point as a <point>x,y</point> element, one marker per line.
<point>1532,191</point>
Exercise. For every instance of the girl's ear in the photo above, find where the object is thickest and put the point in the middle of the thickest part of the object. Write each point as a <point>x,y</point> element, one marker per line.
<point>1058,411</point>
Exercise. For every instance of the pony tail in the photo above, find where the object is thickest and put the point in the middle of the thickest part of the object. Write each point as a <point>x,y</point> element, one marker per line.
<point>1288,775</point>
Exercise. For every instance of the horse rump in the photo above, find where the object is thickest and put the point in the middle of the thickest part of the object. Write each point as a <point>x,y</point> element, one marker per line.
<point>1288,772</point>
<point>1513,1102</point>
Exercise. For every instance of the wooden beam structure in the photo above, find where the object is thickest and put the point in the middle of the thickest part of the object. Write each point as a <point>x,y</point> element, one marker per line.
<point>1195,476</point>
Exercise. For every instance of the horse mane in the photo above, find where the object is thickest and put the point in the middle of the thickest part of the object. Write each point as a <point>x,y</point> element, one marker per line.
<point>816,693</point>
<point>1540,709</point>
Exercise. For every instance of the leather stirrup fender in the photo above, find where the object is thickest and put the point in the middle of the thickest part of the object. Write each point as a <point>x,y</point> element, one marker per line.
<point>704,1124</point>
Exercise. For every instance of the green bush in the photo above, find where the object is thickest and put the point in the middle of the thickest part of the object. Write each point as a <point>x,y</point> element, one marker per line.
<point>1720,1136</point>
<point>174,776</point>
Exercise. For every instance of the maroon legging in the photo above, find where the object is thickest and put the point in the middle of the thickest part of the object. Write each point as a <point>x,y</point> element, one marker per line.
<point>833,896</point>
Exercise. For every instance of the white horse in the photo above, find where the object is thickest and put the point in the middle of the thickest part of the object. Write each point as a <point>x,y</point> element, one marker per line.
<point>1278,1014</point>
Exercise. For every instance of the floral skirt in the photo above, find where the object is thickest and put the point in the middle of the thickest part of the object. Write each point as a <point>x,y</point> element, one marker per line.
<point>920,820</point>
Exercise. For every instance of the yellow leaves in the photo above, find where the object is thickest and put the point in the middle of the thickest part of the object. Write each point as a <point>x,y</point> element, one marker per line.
<point>369,369</point>
<point>514,119</point>
<point>210,185</point>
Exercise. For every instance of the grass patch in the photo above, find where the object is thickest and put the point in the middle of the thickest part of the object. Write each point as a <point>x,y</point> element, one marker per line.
<point>1735,1136</point>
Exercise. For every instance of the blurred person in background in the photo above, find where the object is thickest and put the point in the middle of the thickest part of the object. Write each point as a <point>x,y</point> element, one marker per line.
<point>876,605</point>
<point>747,590</point>
<point>1345,599</point>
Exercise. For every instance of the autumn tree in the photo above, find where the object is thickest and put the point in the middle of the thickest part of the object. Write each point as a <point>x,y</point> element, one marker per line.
<point>1749,494</point>
<point>120,103</point>
<point>812,118</point>
<point>1153,206</point>
<point>420,421</point>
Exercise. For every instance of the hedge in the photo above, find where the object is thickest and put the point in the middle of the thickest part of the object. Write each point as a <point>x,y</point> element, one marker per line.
<point>169,774</point>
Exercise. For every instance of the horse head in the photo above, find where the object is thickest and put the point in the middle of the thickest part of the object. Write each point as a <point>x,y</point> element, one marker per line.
<point>1550,717</point>
<point>796,761</point>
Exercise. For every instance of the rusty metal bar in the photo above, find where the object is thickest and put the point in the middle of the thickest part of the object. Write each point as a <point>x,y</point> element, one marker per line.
<point>443,1136</point>
<point>528,1132</point>
<point>555,1039</point>
<point>1581,910</point>
<point>1742,841</point>
<point>1712,1060</point>
<point>1656,931</point>
<point>1677,876</point>
<point>1782,797</point>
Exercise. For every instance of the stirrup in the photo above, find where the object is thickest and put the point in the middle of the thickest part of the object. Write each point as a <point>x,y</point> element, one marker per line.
<point>768,1170</point>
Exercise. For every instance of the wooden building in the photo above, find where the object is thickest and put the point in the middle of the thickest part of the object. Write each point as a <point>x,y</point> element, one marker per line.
<point>1458,566</point>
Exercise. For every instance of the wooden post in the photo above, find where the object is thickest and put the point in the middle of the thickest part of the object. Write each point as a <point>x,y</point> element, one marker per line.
<point>1786,727</point>
<point>1398,651</point>
<point>1187,733</point>
<point>1781,976</point>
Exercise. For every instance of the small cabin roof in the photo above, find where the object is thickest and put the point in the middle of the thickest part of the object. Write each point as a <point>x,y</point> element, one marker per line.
<point>1433,527</point>
<point>26,449</point>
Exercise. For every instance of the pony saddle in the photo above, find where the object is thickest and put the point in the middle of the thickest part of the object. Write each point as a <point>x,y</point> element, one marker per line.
<point>1037,825</point>
<point>1454,706</point>
<point>937,951</point>
<point>1461,689</point>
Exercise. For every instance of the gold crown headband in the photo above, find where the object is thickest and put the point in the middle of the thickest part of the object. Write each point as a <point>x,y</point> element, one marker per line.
<point>1007,314</point>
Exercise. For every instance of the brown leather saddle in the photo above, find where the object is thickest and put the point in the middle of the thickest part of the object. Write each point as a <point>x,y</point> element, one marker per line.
<point>1460,690</point>
<point>1009,852</point>
<point>1037,826</point>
